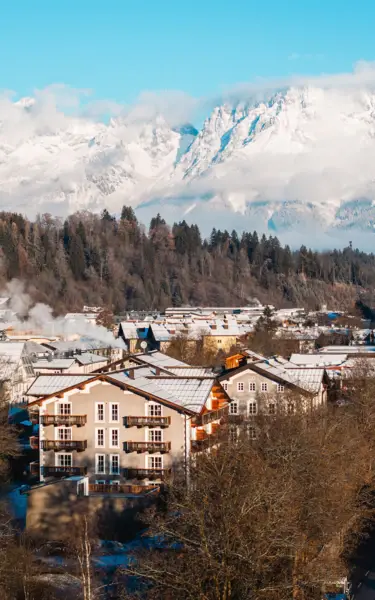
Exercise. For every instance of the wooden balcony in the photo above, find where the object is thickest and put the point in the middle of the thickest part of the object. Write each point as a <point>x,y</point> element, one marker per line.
<point>64,445</point>
<point>212,415</point>
<point>69,420</point>
<point>204,441</point>
<point>55,471</point>
<point>147,473</point>
<point>147,421</point>
<point>150,447</point>
<point>121,488</point>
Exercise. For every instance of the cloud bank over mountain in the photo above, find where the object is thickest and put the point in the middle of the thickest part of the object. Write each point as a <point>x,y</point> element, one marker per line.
<point>290,155</point>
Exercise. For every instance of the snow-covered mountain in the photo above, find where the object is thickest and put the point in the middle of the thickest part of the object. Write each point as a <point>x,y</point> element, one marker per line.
<point>301,159</point>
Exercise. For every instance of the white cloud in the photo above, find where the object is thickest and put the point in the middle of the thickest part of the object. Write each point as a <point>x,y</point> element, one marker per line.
<point>56,155</point>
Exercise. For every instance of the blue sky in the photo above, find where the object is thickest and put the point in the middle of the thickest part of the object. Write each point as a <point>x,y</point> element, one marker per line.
<point>119,48</point>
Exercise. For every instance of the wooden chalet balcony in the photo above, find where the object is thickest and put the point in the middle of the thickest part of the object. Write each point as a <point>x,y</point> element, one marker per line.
<point>107,488</point>
<point>139,447</point>
<point>204,440</point>
<point>55,420</point>
<point>146,473</point>
<point>147,421</point>
<point>64,445</point>
<point>53,471</point>
<point>212,415</point>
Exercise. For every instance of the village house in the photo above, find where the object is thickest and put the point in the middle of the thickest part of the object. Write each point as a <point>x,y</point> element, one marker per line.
<point>16,371</point>
<point>81,363</point>
<point>257,385</point>
<point>125,427</point>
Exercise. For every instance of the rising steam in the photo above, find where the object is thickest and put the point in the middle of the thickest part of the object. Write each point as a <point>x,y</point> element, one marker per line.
<point>39,318</point>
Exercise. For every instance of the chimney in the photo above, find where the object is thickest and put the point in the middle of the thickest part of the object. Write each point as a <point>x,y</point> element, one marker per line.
<point>131,373</point>
<point>226,326</point>
<point>157,371</point>
<point>213,326</point>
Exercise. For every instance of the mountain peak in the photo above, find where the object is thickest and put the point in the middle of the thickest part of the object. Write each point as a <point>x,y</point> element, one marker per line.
<point>302,155</point>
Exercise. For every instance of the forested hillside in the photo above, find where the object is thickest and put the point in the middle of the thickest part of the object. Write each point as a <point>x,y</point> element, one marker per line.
<point>100,260</point>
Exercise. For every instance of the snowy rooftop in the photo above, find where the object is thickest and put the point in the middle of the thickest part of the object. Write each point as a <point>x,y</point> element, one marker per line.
<point>190,394</point>
<point>317,360</point>
<point>45,385</point>
<point>158,359</point>
<point>88,358</point>
<point>56,363</point>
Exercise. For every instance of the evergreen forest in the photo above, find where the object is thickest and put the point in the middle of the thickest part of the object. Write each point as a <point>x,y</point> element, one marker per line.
<point>118,263</point>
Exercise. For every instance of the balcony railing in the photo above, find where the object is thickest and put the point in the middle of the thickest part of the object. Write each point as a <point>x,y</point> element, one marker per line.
<point>64,445</point>
<point>206,441</point>
<point>55,471</point>
<point>147,447</point>
<point>78,420</point>
<point>108,488</point>
<point>147,421</point>
<point>212,415</point>
<point>146,473</point>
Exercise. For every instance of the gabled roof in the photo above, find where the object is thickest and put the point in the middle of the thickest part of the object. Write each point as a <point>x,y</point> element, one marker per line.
<point>158,359</point>
<point>56,363</point>
<point>47,385</point>
<point>88,358</point>
<point>308,380</point>
<point>129,330</point>
<point>187,394</point>
<point>317,360</point>
<point>191,371</point>
<point>160,332</point>
<point>11,351</point>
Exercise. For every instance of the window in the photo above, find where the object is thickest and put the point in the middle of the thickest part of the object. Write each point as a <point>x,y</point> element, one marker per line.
<point>99,416</point>
<point>240,386</point>
<point>114,464</point>
<point>252,386</point>
<point>64,434</point>
<point>225,387</point>
<point>114,413</point>
<point>290,408</point>
<point>219,341</point>
<point>264,387</point>
<point>100,482</point>
<point>252,432</point>
<point>99,438</point>
<point>100,464</point>
<point>155,462</point>
<point>64,408</point>
<point>272,408</point>
<point>114,482</point>
<point>154,410</point>
<point>280,388</point>
<point>114,438</point>
<point>64,460</point>
<point>155,435</point>
<point>233,434</point>
<point>233,408</point>
<point>253,408</point>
